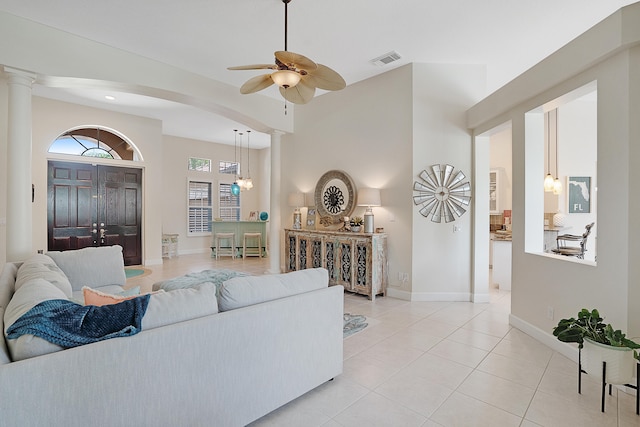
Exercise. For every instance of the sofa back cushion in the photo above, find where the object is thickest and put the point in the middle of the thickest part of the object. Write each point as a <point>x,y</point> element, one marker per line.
<point>180,305</point>
<point>243,291</point>
<point>26,297</point>
<point>93,267</point>
<point>43,267</point>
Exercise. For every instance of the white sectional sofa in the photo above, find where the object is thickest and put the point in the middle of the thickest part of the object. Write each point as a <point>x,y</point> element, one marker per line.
<point>192,364</point>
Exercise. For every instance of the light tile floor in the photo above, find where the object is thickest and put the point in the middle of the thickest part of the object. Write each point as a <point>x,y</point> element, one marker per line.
<point>436,364</point>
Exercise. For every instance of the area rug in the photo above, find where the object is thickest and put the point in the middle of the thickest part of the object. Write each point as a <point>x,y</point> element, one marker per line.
<point>353,323</point>
<point>134,272</point>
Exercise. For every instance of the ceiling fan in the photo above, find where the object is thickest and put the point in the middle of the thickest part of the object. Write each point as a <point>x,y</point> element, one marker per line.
<point>296,75</point>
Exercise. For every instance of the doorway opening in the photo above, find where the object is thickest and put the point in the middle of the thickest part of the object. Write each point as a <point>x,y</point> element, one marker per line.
<point>492,214</point>
<point>94,205</point>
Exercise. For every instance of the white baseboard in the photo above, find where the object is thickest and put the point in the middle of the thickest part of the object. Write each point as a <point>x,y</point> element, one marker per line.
<point>544,337</point>
<point>399,294</point>
<point>194,251</point>
<point>481,298</point>
<point>441,296</point>
<point>437,296</point>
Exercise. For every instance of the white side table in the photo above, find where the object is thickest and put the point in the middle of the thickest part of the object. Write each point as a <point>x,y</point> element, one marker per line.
<point>169,245</point>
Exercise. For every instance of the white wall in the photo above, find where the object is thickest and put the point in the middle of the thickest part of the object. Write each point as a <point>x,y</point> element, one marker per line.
<point>52,118</point>
<point>441,259</point>
<point>500,159</point>
<point>383,132</point>
<point>364,130</point>
<point>539,281</point>
<point>3,168</point>
<point>577,156</point>
<point>174,185</point>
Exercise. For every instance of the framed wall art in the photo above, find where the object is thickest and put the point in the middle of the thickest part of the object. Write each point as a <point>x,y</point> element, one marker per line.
<point>579,194</point>
<point>311,218</point>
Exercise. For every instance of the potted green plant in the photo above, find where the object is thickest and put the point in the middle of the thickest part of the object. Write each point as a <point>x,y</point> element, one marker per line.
<point>356,223</point>
<point>599,342</point>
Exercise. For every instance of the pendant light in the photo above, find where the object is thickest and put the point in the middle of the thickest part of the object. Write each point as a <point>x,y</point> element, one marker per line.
<point>548,180</point>
<point>235,188</point>
<point>240,178</point>
<point>248,182</point>
<point>557,185</point>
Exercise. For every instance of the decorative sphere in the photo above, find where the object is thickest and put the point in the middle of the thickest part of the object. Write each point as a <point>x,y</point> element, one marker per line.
<point>559,220</point>
<point>264,216</point>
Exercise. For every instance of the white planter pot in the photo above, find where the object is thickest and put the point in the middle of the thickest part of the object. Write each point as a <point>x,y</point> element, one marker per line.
<point>619,360</point>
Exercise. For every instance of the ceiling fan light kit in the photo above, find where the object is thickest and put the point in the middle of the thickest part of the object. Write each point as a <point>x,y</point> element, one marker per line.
<point>296,75</point>
<point>285,78</point>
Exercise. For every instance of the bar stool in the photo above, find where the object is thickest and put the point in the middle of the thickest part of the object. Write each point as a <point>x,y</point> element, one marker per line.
<point>224,251</point>
<point>258,252</point>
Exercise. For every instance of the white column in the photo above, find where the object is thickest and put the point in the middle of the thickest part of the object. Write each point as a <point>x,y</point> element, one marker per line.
<point>275,229</point>
<point>19,178</point>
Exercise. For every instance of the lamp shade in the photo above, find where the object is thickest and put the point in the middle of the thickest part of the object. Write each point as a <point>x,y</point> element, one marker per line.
<point>548,183</point>
<point>285,78</point>
<point>296,199</point>
<point>369,197</point>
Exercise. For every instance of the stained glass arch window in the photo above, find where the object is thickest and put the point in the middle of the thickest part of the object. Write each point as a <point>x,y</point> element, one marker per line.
<point>94,142</point>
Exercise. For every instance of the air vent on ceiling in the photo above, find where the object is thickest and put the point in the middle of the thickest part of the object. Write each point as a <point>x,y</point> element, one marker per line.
<point>386,59</point>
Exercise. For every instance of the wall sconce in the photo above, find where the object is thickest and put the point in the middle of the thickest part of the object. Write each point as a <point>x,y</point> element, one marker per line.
<point>295,201</point>
<point>368,197</point>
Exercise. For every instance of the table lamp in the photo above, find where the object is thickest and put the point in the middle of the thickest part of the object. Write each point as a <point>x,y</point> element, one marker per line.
<point>296,200</point>
<point>368,197</point>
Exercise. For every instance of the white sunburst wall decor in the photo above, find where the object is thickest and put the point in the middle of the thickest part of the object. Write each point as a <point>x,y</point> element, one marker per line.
<point>442,193</point>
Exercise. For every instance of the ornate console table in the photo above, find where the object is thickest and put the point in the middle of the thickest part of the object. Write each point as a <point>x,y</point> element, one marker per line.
<point>357,261</point>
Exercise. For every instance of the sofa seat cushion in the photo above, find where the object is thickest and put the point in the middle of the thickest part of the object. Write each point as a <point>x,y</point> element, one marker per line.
<point>243,291</point>
<point>41,266</point>
<point>26,297</point>
<point>93,267</point>
<point>180,305</point>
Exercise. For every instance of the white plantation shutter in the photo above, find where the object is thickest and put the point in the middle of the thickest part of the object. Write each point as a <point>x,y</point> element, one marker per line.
<point>200,208</point>
<point>229,204</point>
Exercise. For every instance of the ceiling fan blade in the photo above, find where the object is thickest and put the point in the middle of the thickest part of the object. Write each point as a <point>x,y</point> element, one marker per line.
<point>328,79</point>
<point>295,60</point>
<point>254,67</point>
<point>300,93</point>
<point>256,84</point>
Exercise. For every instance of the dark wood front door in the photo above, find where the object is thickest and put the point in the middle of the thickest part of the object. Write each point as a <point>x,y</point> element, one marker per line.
<point>95,205</point>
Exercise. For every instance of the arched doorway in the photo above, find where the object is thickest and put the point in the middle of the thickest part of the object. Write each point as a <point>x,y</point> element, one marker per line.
<point>91,204</point>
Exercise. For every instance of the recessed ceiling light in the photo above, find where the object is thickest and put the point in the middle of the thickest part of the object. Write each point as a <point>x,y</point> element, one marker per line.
<point>110,98</point>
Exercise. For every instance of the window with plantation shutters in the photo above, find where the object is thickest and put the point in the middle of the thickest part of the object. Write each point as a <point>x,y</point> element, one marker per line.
<point>200,207</point>
<point>229,204</point>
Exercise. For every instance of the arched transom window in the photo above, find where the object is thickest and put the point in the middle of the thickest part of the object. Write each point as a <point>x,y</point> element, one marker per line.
<point>93,142</point>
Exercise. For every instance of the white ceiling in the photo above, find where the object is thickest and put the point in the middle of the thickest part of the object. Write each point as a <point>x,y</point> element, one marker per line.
<point>206,37</point>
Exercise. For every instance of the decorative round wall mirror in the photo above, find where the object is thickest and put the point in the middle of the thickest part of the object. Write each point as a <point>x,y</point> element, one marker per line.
<point>335,196</point>
<point>442,193</point>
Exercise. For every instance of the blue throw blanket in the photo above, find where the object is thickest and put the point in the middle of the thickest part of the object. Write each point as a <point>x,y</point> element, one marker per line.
<point>69,324</point>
